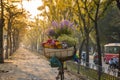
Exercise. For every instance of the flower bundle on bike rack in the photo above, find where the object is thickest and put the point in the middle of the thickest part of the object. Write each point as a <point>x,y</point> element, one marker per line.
<point>61,54</point>
<point>59,47</point>
<point>58,56</point>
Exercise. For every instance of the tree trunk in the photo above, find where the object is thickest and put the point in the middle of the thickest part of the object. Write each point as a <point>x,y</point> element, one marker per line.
<point>9,37</point>
<point>13,47</point>
<point>10,43</point>
<point>118,5</point>
<point>1,41</point>
<point>80,52</point>
<point>99,51</point>
<point>7,48</point>
<point>17,39</point>
<point>80,48</point>
<point>87,49</point>
<point>98,44</point>
<point>1,33</point>
<point>6,54</point>
<point>98,41</point>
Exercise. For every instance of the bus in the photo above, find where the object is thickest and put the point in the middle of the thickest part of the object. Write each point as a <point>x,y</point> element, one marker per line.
<point>111,50</point>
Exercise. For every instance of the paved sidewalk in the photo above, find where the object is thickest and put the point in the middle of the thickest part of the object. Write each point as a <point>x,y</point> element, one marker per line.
<point>25,65</point>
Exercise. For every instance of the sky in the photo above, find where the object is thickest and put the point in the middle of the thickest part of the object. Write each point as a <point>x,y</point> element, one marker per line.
<point>31,6</point>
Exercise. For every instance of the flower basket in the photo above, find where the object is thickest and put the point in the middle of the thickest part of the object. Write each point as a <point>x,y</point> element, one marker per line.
<point>61,54</point>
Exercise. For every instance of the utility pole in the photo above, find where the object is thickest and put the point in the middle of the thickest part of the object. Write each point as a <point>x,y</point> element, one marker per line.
<point>1,32</point>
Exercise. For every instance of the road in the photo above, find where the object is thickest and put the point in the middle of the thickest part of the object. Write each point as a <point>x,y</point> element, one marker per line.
<point>104,65</point>
<point>27,65</point>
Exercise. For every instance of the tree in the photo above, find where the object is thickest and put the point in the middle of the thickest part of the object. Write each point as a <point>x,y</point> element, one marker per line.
<point>35,34</point>
<point>95,9</point>
<point>85,26</point>
<point>11,14</point>
<point>109,24</point>
<point>57,10</point>
<point>19,25</point>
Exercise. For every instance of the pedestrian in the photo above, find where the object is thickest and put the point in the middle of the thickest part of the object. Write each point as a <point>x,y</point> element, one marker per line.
<point>84,57</point>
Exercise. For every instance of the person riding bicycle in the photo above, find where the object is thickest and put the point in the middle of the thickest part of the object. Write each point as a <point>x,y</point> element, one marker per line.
<point>113,62</point>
